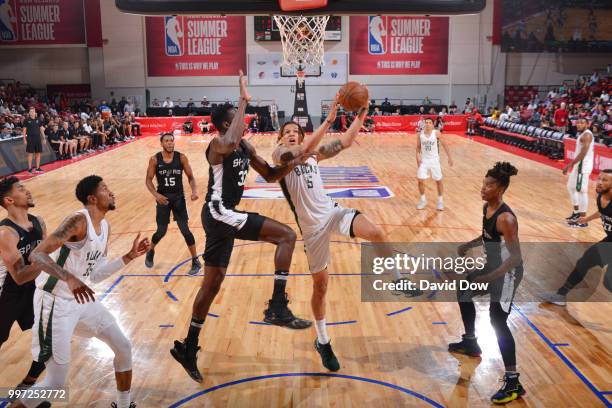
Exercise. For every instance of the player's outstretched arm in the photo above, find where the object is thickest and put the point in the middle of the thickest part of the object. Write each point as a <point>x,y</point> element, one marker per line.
<point>105,268</point>
<point>283,155</point>
<point>334,147</point>
<point>190,177</point>
<point>269,173</point>
<point>73,228</point>
<point>226,143</point>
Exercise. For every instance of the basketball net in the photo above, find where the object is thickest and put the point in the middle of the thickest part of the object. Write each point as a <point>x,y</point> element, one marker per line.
<point>302,39</point>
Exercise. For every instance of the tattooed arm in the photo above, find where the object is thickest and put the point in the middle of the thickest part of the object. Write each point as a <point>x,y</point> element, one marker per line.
<point>334,147</point>
<point>12,259</point>
<point>73,228</point>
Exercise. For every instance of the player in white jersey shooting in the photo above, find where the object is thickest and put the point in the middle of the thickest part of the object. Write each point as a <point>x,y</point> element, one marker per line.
<point>79,247</point>
<point>428,160</point>
<point>578,181</point>
<point>319,216</point>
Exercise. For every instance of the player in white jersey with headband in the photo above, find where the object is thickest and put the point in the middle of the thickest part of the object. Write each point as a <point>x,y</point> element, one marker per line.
<point>428,160</point>
<point>578,182</point>
<point>79,247</point>
<point>317,215</point>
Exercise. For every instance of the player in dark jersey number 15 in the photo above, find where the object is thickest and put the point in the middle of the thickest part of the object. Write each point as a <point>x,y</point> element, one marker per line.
<point>230,157</point>
<point>168,167</point>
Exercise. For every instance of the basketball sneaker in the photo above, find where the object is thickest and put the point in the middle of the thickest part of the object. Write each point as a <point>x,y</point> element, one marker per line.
<point>572,217</point>
<point>440,206</point>
<point>187,357</point>
<point>575,224</point>
<point>467,346</point>
<point>114,405</point>
<point>422,203</point>
<point>149,259</point>
<point>555,298</point>
<point>195,267</point>
<point>279,314</point>
<point>328,358</point>
<point>511,390</point>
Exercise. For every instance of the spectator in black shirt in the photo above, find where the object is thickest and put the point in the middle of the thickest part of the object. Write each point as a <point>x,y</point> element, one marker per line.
<point>386,102</point>
<point>57,140</point>
<point>71,143</point>
<point>33,139</point>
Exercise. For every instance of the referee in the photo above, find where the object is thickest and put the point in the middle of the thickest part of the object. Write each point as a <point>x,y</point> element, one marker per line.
<point>32,138</point>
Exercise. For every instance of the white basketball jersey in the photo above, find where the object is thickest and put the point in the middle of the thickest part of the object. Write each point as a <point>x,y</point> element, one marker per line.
<point>303,188</point>
<point>429,146</point>
<point>586,165</point>
<point>78,258</point>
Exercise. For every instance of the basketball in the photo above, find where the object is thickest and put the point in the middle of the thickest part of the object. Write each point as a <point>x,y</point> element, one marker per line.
<point>353,96</point>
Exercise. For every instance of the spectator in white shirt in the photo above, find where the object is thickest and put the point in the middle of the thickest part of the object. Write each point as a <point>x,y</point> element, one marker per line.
<point>168,103</point>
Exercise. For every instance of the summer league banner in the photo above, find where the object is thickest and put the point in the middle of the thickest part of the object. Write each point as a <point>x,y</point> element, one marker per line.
<point>390,45</point>
<point>265,69</point>
<point>435,272</point>
<point>195,45</point>
<point>41,22</point>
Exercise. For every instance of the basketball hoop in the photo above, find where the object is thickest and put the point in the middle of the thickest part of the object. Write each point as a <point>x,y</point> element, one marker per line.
<point>302,39</point>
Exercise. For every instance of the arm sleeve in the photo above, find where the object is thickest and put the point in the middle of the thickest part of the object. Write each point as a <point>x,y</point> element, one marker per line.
<point>105,268</point>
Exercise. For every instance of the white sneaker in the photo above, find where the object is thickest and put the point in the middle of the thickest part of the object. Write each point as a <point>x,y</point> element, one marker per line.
<point>554,298</point>
<point>440,206</point>
<point>422,203</point>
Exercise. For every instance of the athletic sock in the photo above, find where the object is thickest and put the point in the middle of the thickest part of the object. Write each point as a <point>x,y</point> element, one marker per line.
<point>469,336</point>
<point>321,326</point>
<point>440,199</point>
<point>280,282</point>
<point>194,331</point>
<point>423,198</point>
<point>123,399</point>
<point>564,290</point>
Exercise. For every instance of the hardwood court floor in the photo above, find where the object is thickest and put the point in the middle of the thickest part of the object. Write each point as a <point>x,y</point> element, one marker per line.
<point>388,359</point>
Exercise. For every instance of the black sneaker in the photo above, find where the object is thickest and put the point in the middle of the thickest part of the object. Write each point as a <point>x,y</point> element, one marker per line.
<point>45,404</point>
<point>188,359</point>
<point>328,358</point>
<point>31,171</point>
<point>21,386</point>
<point>39,170</point>
<point>114,405</point>
<point>466,346</point>
<point>405,291</point>
<point>572,217</point>
<point>511,390</point>
<point>279,314</point>
<point>195,267</point>
<point>149,259</point>
<point>574,224</point>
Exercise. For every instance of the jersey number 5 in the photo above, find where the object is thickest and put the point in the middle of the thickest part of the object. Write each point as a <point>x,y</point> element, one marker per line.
<point>309,181</point>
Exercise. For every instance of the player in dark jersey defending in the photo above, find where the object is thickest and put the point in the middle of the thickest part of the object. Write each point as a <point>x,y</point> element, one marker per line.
<point>503,271</point>
<point>20,233</point>
<point>230,157</point>
<point>599,254</point>
<point>168,167</point>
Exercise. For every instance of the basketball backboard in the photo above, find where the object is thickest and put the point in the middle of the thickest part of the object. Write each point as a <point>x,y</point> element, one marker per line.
<point>337,7</point>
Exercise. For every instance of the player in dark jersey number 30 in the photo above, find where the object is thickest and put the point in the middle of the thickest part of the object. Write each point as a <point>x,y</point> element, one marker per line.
<point>168,167</point>
<point>20,233</point>
<point>229,157</point>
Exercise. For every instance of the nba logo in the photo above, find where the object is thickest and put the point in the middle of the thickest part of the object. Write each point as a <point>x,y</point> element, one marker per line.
<point>7,19</point>
<point>173,28</point>
<point>377,35</point>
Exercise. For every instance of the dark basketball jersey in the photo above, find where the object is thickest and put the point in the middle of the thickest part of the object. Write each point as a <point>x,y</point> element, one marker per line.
<point>28,240</point>
<point>226,180</point>
<point>169,175</point>
<point>492,239</point>
<point>606,218</point>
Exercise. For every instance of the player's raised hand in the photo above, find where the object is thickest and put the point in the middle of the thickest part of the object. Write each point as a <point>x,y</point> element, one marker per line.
<point>81,292</point>
<point>244,93</point>
<point>139,247</point>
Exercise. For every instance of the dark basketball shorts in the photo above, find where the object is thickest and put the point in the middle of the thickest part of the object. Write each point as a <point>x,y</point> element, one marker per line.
<point>34,145</point>
<point>222,226</point>
<point>501,290</point>
<point>177,205</point>
<point>16,307</point>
